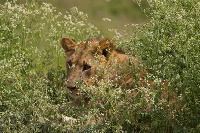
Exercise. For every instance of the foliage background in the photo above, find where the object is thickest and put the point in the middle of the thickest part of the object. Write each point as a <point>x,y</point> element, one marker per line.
<point>33,95</point>
<point>120,12</point>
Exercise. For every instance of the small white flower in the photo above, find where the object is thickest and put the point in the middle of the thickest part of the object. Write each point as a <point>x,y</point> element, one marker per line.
<point>106,20</point>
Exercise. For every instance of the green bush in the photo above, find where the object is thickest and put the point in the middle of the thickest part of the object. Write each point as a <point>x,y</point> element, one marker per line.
<point>169,48</point>
<point>33,95</point>
<point>32,80</point>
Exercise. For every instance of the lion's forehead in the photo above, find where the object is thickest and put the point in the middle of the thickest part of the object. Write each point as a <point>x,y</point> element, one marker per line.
<point>94,41</point>
<point>88,45</point>
<point>81,55</point>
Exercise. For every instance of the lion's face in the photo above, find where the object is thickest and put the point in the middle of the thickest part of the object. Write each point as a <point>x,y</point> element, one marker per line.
<point>84,59</point>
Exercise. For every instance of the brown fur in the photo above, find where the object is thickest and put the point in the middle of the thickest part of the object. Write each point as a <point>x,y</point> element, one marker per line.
<point>84,60</point>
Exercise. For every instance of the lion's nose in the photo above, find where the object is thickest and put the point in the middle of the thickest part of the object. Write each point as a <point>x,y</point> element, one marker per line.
<point>71,87</point>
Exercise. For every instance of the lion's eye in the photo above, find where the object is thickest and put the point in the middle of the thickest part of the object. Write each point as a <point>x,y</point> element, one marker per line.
<point>69,63</point>
<point>86,67</point>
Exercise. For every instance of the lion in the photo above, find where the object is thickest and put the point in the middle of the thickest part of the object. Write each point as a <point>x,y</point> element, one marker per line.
<point>85,60</point>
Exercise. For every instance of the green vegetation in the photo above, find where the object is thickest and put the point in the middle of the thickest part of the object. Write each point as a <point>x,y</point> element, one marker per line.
<point>33,95</point>
<point>121,12</point>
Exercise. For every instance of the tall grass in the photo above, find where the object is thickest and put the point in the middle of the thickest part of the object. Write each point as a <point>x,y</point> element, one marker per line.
<point>33,95</point>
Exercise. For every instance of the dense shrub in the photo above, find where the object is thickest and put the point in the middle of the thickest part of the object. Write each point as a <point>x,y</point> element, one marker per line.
<point>169,47</point>
<point>32,74</point>
<point>32,80</point>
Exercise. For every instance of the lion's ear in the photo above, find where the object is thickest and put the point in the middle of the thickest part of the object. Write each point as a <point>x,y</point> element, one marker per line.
<point>68,45</point>
<point>106,47</point>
